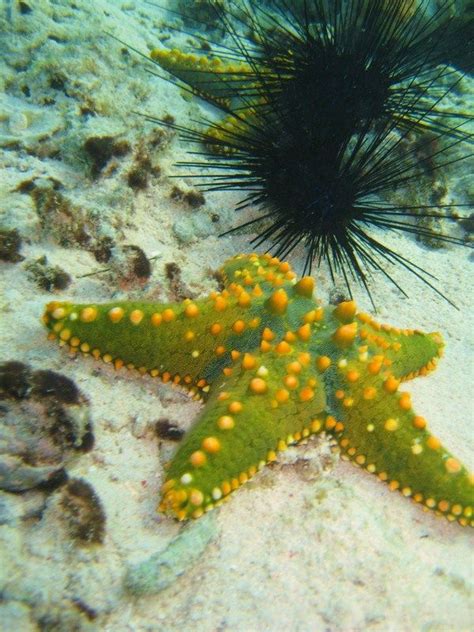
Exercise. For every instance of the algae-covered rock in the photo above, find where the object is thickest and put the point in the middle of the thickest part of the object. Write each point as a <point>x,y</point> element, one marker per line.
<point>10,244</point>
<point>44,421</point>
<point>83,512</point>
<point>47,277</point>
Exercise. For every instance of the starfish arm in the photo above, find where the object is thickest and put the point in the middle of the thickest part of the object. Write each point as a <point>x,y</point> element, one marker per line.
<point>258,271</point>
<point>222,138</point>
<point>263,403</point>
<point>382,434</point>
<point>187,343</point>
<point>211,78</point>
<point>410,352</point>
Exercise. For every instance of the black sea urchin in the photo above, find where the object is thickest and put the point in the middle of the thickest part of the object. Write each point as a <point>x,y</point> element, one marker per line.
<point>321,100</point>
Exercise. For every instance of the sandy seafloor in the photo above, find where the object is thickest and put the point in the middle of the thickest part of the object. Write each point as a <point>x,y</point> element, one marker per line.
<point>312,544</point>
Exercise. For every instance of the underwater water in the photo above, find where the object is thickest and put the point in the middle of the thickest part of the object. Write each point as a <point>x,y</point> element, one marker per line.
<point>94,210</point>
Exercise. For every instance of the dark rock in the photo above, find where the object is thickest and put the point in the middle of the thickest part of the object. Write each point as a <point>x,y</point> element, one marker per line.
<point>139,262</point>
<point>166,429</point>
<point>103,249</point>
<point>10,244</point>
<point>15,380</point>
<point>130,265</point>
<point>192,198</point>
<point>83,512</point>
<point>179,290</point>
<point>47,277</point>
<point>44,422</point>
<point>100,150</point>
<point>137,178</point>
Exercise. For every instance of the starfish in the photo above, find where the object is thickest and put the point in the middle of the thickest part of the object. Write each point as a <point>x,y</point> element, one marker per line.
<point>198,73</point>
<point>274,367</point>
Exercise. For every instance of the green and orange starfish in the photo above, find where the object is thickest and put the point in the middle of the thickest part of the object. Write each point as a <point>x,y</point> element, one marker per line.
<point>274,367</point>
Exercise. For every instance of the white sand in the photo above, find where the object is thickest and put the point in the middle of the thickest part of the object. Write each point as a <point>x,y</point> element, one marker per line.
<point>313,544</point>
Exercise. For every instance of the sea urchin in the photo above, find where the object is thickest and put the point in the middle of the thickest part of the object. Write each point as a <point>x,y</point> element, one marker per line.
<point>323,100</point>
